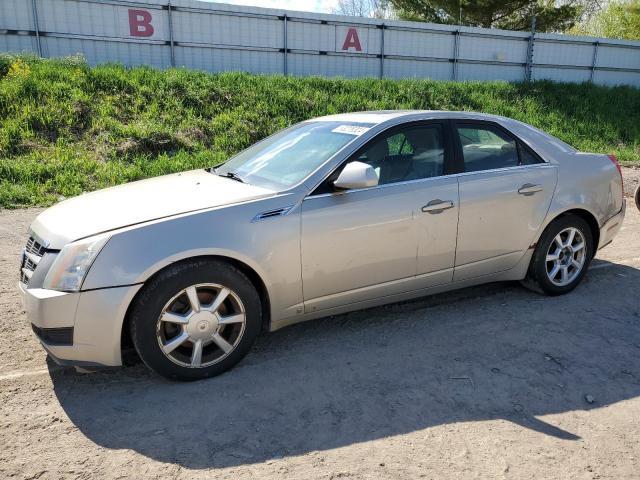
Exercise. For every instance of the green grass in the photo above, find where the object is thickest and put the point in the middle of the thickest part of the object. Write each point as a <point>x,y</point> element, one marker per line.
<point>66,128</point>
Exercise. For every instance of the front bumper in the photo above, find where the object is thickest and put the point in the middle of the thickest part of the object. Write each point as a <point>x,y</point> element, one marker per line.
<point>95,317</point>
<point>611,227</point>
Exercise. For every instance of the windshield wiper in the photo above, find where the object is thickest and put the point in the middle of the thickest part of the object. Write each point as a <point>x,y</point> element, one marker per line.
<point>232,176</point>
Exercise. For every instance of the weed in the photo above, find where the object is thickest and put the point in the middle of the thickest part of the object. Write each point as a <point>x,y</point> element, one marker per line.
<point>66,128</point>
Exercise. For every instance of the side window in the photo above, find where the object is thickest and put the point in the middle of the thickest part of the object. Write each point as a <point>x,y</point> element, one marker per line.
<point>527,157</point>
<point>398,144</point>
<point>411,154</point>
<point>486,148</point>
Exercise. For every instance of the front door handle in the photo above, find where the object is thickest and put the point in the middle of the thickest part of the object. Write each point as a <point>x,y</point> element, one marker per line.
<point>437,206</point>
<point>529,189</point>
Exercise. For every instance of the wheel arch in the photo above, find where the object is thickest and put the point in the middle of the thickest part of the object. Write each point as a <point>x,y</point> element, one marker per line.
<point>126,344</point>
<point>586,215</point>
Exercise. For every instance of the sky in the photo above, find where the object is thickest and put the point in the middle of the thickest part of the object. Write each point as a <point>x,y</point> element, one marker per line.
<point>323,6</point>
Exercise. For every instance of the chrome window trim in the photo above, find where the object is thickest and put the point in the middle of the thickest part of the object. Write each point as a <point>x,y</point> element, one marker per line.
<point>397,122</point>
<point>417,180</point>
<point>379,187</point>
<point>505,169</point>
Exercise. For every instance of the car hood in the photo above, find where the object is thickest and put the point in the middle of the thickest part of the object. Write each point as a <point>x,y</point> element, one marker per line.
<point>138,202</point>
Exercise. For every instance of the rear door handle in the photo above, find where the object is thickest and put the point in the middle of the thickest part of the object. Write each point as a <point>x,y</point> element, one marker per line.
<point>529,189</point>
<point>437,206</point>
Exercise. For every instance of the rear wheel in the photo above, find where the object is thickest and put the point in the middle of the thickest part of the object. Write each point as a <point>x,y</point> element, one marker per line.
<point>196,319</point>
<point>562,256</point>
<point>637,197</point>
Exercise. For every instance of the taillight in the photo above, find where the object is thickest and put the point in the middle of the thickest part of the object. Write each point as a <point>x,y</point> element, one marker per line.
<point>613,158</point>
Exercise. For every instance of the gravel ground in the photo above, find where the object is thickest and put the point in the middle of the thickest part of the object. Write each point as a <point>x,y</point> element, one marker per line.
<point>487,382</point>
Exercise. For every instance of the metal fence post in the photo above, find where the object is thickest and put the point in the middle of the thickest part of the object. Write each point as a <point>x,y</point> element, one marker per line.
<point>34,8</point>
<point>382,27</point>
<point>594,61</point>
<point>529,61</point>
<point>171,43</point>
<point>286,46</point>
<point>456,43</point>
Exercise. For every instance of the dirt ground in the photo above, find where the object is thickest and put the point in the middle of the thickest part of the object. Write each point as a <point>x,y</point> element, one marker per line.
<point>487,382</point>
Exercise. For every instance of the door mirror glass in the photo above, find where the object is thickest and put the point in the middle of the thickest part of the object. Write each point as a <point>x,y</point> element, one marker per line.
<point>356,175</point>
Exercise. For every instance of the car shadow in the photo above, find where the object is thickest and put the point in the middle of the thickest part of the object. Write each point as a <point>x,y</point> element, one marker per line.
<point>483,353</point>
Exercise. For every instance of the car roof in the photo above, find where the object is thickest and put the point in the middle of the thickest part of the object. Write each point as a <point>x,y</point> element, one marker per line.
<point>381,116</point>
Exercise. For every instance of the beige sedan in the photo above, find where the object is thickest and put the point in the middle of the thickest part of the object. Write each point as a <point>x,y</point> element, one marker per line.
<point>330,215</point>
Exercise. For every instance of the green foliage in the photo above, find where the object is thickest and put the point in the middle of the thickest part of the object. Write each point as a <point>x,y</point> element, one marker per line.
<point>551,16</point>
<point>619,19</point>
<point>66,128</point>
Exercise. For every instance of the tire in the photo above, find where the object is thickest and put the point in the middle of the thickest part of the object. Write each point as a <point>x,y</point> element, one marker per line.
<point>540,276</point>
<point>637,197</point>
<point>196,319</point>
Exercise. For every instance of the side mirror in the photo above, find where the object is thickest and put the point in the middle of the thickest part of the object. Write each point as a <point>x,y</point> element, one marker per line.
<point>356,175</point>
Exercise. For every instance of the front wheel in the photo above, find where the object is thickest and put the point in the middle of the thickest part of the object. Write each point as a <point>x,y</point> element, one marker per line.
<point>562,256</point>
<point>196,319</point>
<point>637,197</point>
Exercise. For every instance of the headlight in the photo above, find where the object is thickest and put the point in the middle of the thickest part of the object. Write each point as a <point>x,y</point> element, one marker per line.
<point>72,264</point>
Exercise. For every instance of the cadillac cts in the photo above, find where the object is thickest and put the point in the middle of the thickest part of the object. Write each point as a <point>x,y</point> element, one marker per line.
<point>330,215</point>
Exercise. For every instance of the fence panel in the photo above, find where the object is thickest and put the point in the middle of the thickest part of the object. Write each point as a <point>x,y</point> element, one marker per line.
<point>416,43</point>
<point>16,15</point>
<point>222,37</point>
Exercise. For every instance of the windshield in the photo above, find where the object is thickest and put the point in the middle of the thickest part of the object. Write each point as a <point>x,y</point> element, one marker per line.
<point>284,159</point>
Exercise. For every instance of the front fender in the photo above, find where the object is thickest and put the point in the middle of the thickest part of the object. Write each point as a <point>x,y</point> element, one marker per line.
<point>270,247</point>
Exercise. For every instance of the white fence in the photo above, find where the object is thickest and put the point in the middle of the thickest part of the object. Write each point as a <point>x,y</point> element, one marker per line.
<point>220,37</point>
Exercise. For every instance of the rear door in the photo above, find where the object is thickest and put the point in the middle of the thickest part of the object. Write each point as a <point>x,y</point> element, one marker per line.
<point>505,193</point>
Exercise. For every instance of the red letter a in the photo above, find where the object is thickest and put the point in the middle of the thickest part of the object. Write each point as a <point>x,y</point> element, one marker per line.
<point>140,23</point>
<point>352,40</point>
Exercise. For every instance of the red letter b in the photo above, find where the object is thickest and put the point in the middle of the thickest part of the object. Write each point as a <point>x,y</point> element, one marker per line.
<point>140,23</point>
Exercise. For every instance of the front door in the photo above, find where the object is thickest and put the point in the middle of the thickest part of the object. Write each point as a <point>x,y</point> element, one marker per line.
<point>363,244</point>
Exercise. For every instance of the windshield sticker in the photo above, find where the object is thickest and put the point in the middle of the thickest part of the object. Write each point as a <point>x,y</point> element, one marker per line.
<point>350,129</point>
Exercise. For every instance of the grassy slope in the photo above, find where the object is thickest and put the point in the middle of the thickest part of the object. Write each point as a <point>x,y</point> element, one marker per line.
<point>66,128</point>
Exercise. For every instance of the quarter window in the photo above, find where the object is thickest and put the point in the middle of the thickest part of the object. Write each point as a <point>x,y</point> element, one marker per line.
<point>527,157</point>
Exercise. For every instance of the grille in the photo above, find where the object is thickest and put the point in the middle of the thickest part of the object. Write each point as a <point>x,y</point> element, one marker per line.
<point>32,254</point>
<point>34,247</point>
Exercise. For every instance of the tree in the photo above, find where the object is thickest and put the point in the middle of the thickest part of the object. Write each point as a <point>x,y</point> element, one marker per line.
<point>551,15</point>
<point>364,8</point>
<point>619,19</point>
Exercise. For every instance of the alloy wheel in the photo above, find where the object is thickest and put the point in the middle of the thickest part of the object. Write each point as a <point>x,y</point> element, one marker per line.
<point>201,325</point>
<point>566,256</point>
